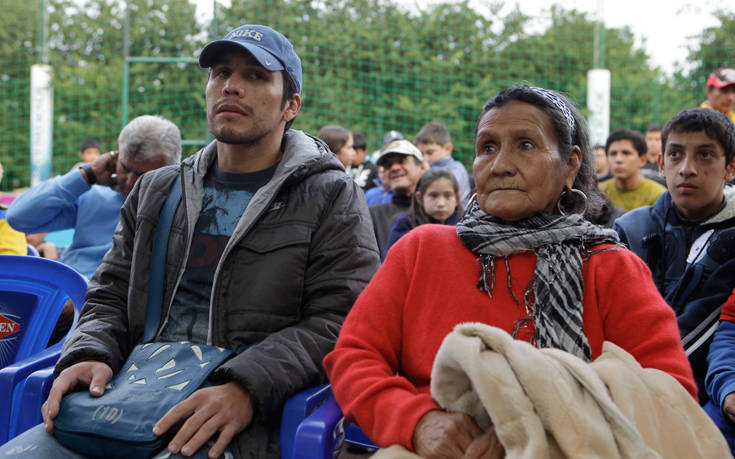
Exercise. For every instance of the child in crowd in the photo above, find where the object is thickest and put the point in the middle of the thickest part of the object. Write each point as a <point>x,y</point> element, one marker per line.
<point>626,154</point>
<point>89,150</point>
<point>436,200</point>
<point>339,140</point>
<point>687,238</point>
<point>435,144</point>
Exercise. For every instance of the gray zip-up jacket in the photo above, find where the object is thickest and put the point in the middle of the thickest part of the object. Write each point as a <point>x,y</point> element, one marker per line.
<point>299,256</point>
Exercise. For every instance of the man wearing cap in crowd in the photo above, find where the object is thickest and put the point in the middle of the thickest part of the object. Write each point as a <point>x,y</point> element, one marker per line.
<point>403,164</point>
<point>267,253</point>
<point>720,92</point>
<point>381,193</point>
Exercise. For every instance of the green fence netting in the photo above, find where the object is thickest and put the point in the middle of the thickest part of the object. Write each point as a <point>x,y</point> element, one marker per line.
<point>369,65</point>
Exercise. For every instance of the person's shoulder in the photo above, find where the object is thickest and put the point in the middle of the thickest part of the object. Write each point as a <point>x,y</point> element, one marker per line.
<point>652,186</point>
<point>436,234</point>
<point>636,218</point>
<point>607,184</point>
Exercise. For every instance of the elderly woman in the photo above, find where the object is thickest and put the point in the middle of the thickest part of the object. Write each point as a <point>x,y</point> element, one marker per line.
<point>523,259</point>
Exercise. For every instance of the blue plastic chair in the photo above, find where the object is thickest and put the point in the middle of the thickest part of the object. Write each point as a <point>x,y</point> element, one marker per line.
<point>32,251</point>
<point>33,292</point>
<point>319,433</point>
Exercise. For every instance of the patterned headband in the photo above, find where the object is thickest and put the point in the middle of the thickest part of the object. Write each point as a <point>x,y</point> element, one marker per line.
<point>559,103</point>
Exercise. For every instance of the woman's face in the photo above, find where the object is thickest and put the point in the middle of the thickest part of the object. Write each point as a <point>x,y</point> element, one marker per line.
<point>346,154</point>
<point>518,169</point>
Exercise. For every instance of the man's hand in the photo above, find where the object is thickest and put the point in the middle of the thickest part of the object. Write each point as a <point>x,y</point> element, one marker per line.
<point>92,373</point>
<point>226,409</point>
<point>486,446</point>
<point>728,406</point>
<point>442,435</point>
<point>104,169</point>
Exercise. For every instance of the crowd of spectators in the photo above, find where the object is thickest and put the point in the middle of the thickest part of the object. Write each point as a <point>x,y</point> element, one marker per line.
<point>278,234</point>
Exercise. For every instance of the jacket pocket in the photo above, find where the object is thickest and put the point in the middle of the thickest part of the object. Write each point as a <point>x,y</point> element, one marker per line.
<point>266,280</point>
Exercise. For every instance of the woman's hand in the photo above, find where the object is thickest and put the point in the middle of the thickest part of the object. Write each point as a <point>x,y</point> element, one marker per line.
<point>486,446</point>
<point>442,435</point>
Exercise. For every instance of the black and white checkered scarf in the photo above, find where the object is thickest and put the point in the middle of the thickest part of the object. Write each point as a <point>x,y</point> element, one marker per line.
<point>553,299</point>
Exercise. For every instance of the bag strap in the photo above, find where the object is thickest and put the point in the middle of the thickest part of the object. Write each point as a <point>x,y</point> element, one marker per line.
<point>158,261</point>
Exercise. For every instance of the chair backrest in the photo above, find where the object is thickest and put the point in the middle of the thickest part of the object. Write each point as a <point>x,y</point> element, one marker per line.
<point>32,251</point>
<point>33,291</point>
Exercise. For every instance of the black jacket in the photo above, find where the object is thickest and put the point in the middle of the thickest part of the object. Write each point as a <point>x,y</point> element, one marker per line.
<point>299,256</point>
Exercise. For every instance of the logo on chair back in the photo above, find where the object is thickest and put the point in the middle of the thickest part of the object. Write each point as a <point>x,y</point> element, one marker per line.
<point>8,327</point>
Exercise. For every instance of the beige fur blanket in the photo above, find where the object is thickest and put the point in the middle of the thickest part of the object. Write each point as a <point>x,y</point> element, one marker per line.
<point>548,403</point>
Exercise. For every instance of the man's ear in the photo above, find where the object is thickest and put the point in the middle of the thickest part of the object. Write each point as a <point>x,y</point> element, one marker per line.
<point>575,162</point>
<point>730,170</point>
<point>449,147</point>
<point>292,108</point>
<point>660,161</point>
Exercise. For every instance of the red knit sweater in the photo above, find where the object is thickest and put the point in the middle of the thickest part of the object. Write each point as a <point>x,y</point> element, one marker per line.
<point>381,366</point>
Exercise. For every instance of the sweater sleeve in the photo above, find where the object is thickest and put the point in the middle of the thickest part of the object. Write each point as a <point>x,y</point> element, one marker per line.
<point>364,367</point>
<point>49,206</point>
<point>720,380</point>
<point>636,317</point>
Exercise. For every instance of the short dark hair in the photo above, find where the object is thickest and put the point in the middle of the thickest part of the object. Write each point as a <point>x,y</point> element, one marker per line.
<point>715,124</point>
<point>358,141</point>
<point>334,136</point>
<point>289,90</point>
<point>89,143</point>
<point>567,136</point>
<point>635,137</point>
<point>654,128</point>
<point>433,132</point>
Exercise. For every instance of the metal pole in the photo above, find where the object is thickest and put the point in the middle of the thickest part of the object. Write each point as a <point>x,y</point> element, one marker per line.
<point>42,46</point>
<point>126,66</point>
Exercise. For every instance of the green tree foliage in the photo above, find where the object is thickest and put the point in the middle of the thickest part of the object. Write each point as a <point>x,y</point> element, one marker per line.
<point>712,49</point>
<point>369,65</point>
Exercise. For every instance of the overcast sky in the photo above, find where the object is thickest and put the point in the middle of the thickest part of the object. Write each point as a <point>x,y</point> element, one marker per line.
<point>662,27</point>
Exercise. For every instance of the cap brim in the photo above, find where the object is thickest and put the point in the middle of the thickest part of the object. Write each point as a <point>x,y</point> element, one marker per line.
<point>209,54</point>
<point>386,153</point>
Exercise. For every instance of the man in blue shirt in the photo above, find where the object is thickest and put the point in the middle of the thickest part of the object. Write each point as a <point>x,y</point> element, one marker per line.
<point>88,199</point>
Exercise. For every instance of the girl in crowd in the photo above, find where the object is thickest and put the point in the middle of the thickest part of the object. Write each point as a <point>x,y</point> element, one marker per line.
<point>339,140</point>
<point>436,200</point>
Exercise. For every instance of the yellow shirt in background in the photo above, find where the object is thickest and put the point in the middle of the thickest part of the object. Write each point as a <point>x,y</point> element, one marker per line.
<point>12,242</point>
<point>644,195</point>
<point>731,113</point>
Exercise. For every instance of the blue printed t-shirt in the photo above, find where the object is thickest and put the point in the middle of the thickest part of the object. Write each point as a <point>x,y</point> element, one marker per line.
<point>226,196</point>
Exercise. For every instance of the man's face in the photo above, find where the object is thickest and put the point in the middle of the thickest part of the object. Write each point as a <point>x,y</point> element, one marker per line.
<point>129,169</point>
<point>721,99</point>
<point>653,142</point>
<point>244,100</point>
<point>696,170</point>
<point>624,160</point>
<point>402,171</point>
<point>434,152</point>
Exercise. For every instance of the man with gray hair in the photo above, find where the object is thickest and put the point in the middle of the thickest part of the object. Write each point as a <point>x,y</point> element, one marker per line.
<point>89,199</point>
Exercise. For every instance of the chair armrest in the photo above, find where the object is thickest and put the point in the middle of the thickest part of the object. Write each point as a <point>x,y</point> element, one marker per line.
<point>12,379</point>
<point>295,410</point>
<point>35,392</point>
<point>320,432</point>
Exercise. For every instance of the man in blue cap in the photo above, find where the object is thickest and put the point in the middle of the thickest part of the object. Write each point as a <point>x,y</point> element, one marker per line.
<point>267,253</point>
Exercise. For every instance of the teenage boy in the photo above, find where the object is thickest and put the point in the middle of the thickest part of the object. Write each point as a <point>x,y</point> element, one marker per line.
<point>435,144</point>
<point>269,248</point>
<point>628,189</point>
<point>653,145</point>
<point>403,165</point>
<point>686,237</point>
<point>720,92</point>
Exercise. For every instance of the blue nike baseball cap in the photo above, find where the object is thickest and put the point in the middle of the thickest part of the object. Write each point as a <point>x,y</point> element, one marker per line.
<point>271,49</point>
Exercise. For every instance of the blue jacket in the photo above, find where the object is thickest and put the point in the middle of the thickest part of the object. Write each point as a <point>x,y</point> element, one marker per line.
<point>65,202</point>
<point>693,268</point>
